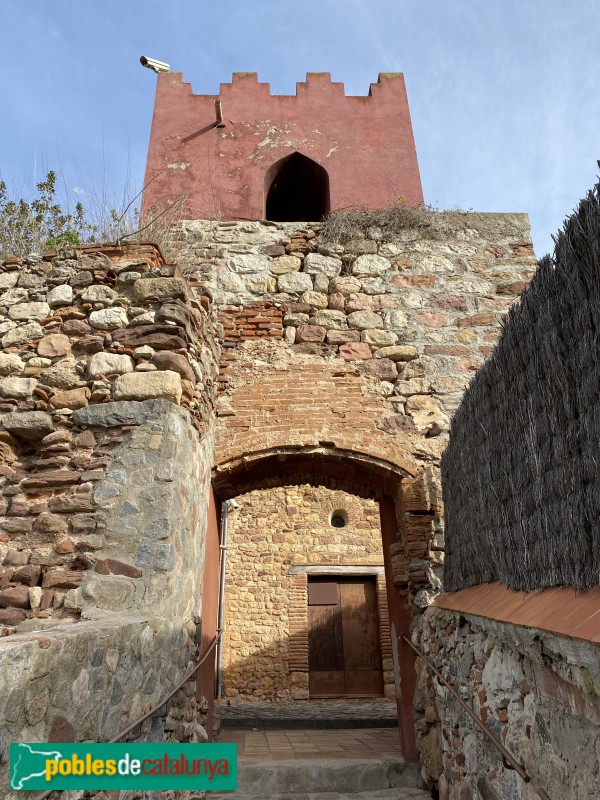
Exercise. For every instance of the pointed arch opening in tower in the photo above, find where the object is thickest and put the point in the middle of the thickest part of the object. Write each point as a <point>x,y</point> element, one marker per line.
<point>297,190</point>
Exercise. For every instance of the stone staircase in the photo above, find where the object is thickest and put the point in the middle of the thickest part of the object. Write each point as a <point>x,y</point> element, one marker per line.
<point>315,752</point>
<point>328,779</point>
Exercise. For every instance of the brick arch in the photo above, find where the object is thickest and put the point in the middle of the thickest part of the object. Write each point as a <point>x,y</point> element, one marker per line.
<point>354,472</point>
<point>274,400</point>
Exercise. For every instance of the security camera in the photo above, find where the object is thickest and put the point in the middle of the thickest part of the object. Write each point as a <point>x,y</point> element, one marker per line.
<point>152,63</point>
<point>233,505</point>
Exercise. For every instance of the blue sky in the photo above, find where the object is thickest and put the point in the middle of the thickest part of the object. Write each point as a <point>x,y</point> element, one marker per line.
<point>503,93</point>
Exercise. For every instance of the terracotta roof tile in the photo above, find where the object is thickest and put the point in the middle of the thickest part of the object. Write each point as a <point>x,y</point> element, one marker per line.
<point>560,609</point>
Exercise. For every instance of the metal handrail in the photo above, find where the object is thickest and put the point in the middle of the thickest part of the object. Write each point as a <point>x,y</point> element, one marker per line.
<point>508,759</point>
<point>153,710</point>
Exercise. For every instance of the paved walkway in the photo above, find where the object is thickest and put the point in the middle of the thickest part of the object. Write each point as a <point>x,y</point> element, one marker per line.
<point>318,750</point>
<point>286,745</point>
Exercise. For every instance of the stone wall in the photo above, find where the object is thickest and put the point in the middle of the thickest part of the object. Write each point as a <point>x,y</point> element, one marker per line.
<point>417,310</point>
<point>378,336</point>
<point>108,378</point>
<point>275,536</point>
<point>536,691</point>
<point>99,350</point>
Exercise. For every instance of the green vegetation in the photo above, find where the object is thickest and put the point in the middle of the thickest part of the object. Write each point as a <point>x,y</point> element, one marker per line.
<point>41,224</point>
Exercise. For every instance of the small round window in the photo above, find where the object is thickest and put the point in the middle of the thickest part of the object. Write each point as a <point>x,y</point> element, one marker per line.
<point>338,519</point>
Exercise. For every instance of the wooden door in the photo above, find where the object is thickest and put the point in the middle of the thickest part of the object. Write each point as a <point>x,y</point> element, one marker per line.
<point>343,638</point>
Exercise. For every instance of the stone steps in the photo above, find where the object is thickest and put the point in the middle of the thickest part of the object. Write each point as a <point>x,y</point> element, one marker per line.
<point>323,776</point>
<point>396,793</point>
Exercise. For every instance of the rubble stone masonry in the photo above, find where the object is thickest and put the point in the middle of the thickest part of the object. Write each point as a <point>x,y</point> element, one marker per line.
<point>107,377</point>
<point>536,691</point>
<point>362,347</point>
<point>335,364</point>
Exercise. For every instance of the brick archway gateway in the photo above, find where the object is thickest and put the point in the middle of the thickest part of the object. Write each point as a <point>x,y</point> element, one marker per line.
<point>395,488</point>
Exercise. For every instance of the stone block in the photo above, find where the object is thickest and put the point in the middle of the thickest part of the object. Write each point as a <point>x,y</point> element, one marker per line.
<point>378,338</point>
<point>11,364</point>
<point>61,730</point>
<point>109,415</point>
<point>477,320</point>
<point>28,575</point>
<point>399,352</point>
<point>337,301</point>
<point>244,263</point>
<point>285,264</point>
<point>72,398</point>
<point>364,320</point>
<point>373,286</point>
<point>60,296</point>
<point>310,333</point>
<point>76,327</point>
<point>160,337</point>
<point>55,345</point>
<point>355,351</point>
<point>382,368</point>
<point>395,319</point>
<point>344,284</point>
<point>63,375</point>
<point>295,319</point>
<point>147,289</point>
<point>110,566</point>
<point>108,592</point>
<point>332,320</point>
<point>15,558</point>
<point>413,386</point>
<point>261,283</point>
<point>321,283</point>
<point>11,616</point>
<point>108,319</point>
<point>35,596</point>
<point>14,597</point>
<point>8,280</point>
<point>99,294</point>
<point>17,388</point>
<point>22,334</point>
<point>295,283</point>
<point>370,265</point>
<point>427,414</point>
<point>342,337</point>
<point>109,364</point>
<point>29,425</point>
<point>175,362</point>
<point>164,384</point>
<point>50,525</point>
<point>16,525</point>
<point>62,579</point>
<point>79,502</point>
<point>315,263</point>
<point>316,300</point>
<point>26,312</point>
<point>361,302</point>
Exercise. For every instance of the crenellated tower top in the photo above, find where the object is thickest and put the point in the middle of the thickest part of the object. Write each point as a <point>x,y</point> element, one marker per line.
<point>248,154</point>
